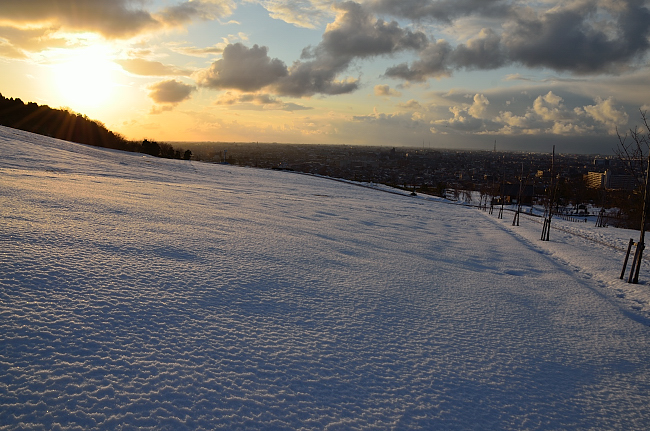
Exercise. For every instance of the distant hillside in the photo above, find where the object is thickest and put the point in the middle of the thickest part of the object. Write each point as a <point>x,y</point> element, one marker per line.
<point>70,126</point>
<point>61,124</point>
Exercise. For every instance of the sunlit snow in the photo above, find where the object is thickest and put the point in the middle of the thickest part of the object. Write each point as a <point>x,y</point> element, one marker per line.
<point>138,292</point>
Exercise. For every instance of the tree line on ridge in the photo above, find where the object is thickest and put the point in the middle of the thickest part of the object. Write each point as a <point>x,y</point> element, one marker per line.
<point>70,126</point>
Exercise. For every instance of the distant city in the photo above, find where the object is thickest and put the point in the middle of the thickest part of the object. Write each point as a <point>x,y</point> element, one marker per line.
<point>425,169</point>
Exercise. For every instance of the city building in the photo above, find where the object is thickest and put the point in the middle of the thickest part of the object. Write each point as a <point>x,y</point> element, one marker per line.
<point>608,180</point>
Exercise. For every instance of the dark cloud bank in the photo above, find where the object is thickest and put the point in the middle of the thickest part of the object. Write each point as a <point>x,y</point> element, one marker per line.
<point>32,21</point>
<point>354,34</point>
<point>580,37</point>
<point>583,37</point>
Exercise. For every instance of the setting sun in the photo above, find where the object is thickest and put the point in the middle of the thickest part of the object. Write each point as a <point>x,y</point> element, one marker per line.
<point>84,78</point>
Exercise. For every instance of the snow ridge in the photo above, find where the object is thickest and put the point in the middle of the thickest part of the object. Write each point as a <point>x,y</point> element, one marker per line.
<point>138,292</point>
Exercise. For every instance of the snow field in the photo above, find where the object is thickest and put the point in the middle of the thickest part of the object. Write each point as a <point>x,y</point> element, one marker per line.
<point>157,294</point>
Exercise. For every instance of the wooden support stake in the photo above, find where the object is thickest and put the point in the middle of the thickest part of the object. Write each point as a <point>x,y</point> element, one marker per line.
<point>636,257</point>
<point>637,268</point>
<point>545,229</point>
<point>627,257</point>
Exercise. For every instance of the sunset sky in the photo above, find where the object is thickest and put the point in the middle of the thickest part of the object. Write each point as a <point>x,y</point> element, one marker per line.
<point>438,73</point>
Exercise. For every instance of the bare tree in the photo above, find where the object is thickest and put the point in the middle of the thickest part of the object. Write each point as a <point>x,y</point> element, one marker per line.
<point>467,196</point>
<point>455,191</point>
<point>633,154</point>
<point>632,150</point>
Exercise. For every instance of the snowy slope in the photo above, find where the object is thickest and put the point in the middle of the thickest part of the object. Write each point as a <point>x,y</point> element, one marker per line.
<point>138,292</point>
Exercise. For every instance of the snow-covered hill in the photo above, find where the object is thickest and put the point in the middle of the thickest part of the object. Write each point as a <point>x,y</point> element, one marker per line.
<point>138,292</point>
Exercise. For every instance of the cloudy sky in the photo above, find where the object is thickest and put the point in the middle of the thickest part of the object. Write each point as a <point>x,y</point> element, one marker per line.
<point>435,73</point>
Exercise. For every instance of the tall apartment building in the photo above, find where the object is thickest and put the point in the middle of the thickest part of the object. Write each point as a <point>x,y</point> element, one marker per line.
<point>611,181</point>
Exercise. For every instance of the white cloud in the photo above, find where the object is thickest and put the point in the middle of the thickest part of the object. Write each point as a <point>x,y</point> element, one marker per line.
<point>549,107</point>
<point>512,120</point>
<point>567,129</point>
<point>258,102</point>
<point>169,93</point>
<point>606,113</point>
<point>479,107</point>
<point>243,68</point>
<point>140,66</point>
<point>410,105</point>
<point>385,90</point>
<point>301,13</point>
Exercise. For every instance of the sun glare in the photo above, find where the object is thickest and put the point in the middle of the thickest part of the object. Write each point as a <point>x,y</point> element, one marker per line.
<point>84,77</point>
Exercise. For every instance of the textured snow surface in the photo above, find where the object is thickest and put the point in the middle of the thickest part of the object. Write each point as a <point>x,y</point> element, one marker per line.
<point>138,292</point>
